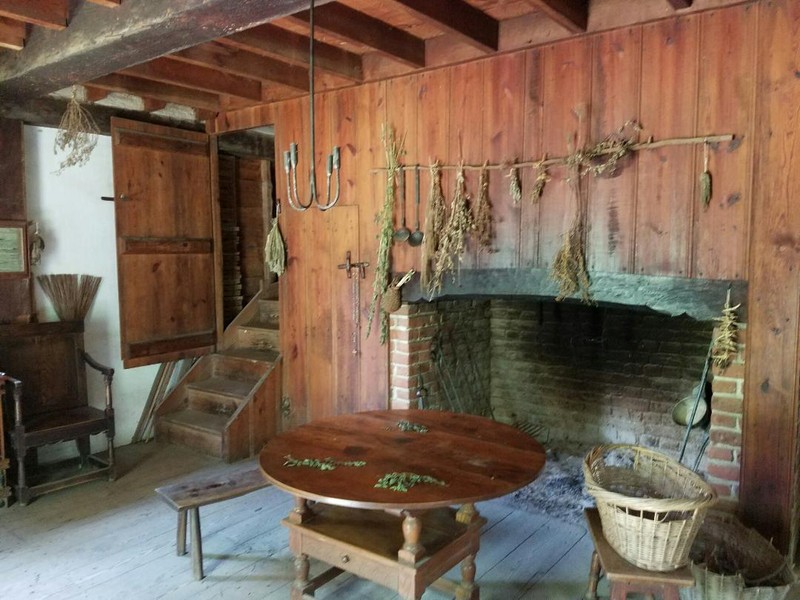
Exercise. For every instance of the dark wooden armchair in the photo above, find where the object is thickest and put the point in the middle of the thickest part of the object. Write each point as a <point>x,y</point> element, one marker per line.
<point>46,402</point>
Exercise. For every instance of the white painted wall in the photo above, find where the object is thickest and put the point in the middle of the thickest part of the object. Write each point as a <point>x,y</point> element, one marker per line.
<point>79,233</point>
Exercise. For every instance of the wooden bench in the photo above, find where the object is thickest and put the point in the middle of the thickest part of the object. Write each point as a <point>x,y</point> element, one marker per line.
<point>625,578</point>
<point>188,495</point>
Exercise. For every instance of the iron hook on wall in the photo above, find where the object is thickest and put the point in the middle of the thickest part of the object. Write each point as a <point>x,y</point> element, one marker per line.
<point>290,156</point>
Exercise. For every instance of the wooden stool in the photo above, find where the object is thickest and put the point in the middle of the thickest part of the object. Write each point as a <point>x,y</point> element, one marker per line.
<point>625,578</point>
<point>205,488</point>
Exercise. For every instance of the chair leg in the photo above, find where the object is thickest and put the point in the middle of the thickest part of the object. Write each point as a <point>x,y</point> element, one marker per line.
<point>197,544</point>
<point>84,449</point>
<point>112,470</point>
<point>23,494</point>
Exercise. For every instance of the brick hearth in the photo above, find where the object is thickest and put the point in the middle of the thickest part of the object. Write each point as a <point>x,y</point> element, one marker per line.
<point>585,375</point>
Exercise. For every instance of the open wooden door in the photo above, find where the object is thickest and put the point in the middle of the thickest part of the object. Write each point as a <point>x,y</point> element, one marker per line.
<point>166,220</point>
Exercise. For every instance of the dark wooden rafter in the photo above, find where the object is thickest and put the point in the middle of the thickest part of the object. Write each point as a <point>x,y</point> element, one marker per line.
<point>95,94</point>
<point>12,34</point>
<point>146,88</point>
<point>678,4</point>
<point>248,64</point>
<point>99,42</point>
<point>570,14</point>
<point>459,18</point>
<point>342,21</point>
<point>171,71</point>
<point>47,13</point>
<point>281,44</point>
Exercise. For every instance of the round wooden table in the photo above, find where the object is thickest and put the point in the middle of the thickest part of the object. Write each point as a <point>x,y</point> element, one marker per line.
<point>405,540</point>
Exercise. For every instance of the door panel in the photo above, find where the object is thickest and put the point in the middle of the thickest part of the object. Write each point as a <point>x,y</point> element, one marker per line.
<point>165,242</point>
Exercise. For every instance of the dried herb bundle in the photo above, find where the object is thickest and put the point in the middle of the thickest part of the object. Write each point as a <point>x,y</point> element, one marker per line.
<point>394,150</point>
<point>725,344</point>
<point>483,212</point>
<point>402,482</point>
<point>435,218</point>
<point>705,179</point>
<point>453,242</point>
<point>542,177</point>
<point>569,266</point>
<point>603,157</point>
<point>514,185</point>
<point>324,464</point>
<point>275,249</point>
<point>77,135</point>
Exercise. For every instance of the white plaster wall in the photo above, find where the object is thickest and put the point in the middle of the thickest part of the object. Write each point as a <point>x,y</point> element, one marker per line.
<point>79,233</point>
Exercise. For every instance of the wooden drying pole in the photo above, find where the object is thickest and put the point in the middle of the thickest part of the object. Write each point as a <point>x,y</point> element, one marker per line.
<point>561,160</point>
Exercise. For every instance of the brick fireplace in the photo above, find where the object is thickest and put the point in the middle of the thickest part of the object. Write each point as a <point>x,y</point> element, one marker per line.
<point>581,375</point>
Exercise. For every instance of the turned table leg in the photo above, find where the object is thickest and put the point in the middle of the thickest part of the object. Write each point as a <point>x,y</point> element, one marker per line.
<point>412,550</point>
<point>301,512</point>
<point>301,568</point>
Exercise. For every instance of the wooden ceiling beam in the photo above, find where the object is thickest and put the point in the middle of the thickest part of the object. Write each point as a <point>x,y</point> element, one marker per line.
<point>281,44</point>
<point>459,18</point>
<point>46,13</point>
<point>146,88</point>
<point>12,34</point>
<point>679,4</point>
<point>248,64</point>
<point>109,3</point>
<point>95,94</point>
<point>344,22</point>
<point>98,42</point>
<point>166,70</point>
<point>570,14</point>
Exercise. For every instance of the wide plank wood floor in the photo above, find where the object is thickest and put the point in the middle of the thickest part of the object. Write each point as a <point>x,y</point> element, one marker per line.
<point>117,540</point>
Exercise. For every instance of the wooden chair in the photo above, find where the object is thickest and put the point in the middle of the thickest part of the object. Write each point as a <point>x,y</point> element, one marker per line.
<point>49,404</point>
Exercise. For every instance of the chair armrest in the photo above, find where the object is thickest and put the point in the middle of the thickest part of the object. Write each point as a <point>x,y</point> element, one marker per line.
<point>17,385</point>
<point>108,375</point>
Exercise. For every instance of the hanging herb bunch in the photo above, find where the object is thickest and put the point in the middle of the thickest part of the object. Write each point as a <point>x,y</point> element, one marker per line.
<point>77,135</point>
<point>603,158</point>
<point>435,219</point>
<point>725,344</point>
<point>453,242</point>
<point>394,150</point>
<point>275,249</point>
<point>569,266</point>
<point>514,184</point>
<point>542,177</point>
<point>483,212</point>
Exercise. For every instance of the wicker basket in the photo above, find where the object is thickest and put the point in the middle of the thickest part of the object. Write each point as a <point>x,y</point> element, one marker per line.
<point>651,507</point>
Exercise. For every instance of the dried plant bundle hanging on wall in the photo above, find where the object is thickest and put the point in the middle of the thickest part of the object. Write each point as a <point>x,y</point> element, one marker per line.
<point>569,266</point>
<point>275,249</point>
<point>394,150</point>
<point>726,345</point>
<point>705,179</point>
<point>542,176</point>
<point>77,135</point>
<point>514,185</point>
<point>72,295</point>
<point>484,222</point>
<point>454,238</point>
<point>435,219</point>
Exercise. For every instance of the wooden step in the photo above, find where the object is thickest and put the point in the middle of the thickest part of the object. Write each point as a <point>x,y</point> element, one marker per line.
<point>252,354</point>
<point>261,338</point>
<point>241,366</point>
<point>199,430</point>
<point>269,310</point>
<point>218,394</point>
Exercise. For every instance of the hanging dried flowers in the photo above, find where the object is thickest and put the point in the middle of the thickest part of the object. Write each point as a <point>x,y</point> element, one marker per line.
<point>483,212</point>
<point>542,177</point>
<point>453,242</point>
<point>435,218</point>
<point>394,150</point>
<point>725,344</point>
<point>603,158</point>
<point>569,266</point>
<point>514,185</point>
<point>77,135</point>
<point>275,249</point>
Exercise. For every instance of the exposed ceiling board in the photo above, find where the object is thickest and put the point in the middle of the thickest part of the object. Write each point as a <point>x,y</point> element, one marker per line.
<point>570,14</point>
<point>46,13</point>
<point>460,18</point>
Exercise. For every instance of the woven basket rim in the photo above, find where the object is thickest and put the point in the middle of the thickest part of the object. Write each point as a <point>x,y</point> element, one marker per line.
<point>705,498</point>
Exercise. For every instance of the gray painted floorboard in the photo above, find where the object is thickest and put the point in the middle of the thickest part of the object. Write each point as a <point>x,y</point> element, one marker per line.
<point>116,540</point>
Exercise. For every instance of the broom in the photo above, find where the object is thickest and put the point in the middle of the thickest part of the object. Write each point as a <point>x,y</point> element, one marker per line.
<point>71,295</point>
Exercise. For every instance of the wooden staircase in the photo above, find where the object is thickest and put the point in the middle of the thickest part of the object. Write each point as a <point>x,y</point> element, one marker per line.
<point>228,403</point>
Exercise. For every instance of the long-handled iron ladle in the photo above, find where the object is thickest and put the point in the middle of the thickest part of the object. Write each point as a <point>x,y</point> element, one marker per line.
<point>402,234</point>
<point>415,239</point>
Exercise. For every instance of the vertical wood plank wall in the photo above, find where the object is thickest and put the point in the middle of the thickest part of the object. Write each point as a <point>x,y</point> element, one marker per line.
<point>731,70</point>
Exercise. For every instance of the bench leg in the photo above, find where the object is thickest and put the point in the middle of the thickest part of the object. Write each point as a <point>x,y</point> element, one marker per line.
<point>180,546</point>
<point>594,577</point>
<point>197,544</point>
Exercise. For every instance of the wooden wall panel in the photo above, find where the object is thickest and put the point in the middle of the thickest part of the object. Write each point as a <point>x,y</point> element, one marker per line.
<point>666,187</point>
<point>12,172</point>
<point>768,490</point>
<point>726,104</point>
<point>371,107</point>
<point>289,120</point>
<point>533,101</point>
<point>503,141</point>
<point>616,80</point>
<point>567,101</point>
